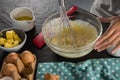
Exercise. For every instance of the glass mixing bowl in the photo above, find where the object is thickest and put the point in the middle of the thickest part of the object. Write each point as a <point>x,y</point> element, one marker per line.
<point>50,29</point>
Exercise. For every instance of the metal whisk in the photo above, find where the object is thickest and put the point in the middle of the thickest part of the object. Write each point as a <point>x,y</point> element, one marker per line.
<point>70,38</point>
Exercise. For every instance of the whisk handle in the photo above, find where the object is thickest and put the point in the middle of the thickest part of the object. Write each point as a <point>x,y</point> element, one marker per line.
<point>61,2</point>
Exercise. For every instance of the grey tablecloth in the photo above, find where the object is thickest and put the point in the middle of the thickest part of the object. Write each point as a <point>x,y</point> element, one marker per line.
<point>41,8</point>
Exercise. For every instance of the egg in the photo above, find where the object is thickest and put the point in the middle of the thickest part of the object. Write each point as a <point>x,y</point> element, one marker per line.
<point>8,69</point>
<point>27,57</point>
<point>10,58</point>
<point>49,76</point>
<point>7,78</point>
<point>23,79</point>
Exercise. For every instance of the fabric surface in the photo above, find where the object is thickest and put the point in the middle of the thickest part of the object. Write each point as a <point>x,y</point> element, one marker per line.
<point>41,8</point>
<point>93,69</point>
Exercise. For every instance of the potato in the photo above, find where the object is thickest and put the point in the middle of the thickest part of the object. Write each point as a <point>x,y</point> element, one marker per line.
<point>27,57</point>
<point>8,69</point>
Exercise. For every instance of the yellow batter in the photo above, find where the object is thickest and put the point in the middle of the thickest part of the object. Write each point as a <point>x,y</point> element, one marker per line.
<point>80,34</point>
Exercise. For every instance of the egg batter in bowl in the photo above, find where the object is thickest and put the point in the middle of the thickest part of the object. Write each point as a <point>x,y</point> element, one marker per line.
<point>83,32</point>
<point>74,42</point>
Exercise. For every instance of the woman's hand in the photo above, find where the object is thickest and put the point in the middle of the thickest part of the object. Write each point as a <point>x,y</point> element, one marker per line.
<point>111,36</point>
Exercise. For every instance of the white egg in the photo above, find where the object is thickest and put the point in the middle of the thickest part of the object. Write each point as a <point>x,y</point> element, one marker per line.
<point>7,78</point>
<point>116,54</point>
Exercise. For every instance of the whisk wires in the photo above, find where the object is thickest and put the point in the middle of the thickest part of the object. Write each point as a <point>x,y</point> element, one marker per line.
<point>69,35</point>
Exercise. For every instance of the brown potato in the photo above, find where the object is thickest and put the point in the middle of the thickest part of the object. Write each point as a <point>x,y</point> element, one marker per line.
<point>27,57</point>
<point>49,76</point>
<point>11,57</point>
<point>8,69</point>
<point>20,66</point>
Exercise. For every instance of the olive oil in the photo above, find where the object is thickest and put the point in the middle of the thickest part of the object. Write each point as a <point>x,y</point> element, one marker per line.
<point>23,18</point>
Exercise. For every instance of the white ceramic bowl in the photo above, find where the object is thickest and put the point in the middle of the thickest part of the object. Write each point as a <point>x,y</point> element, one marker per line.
<point>25,25</point>
<point>22,36</point>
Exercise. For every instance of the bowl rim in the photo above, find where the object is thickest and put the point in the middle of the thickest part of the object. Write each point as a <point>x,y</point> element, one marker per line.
<point>78,48</point>
<point>24,40</point>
